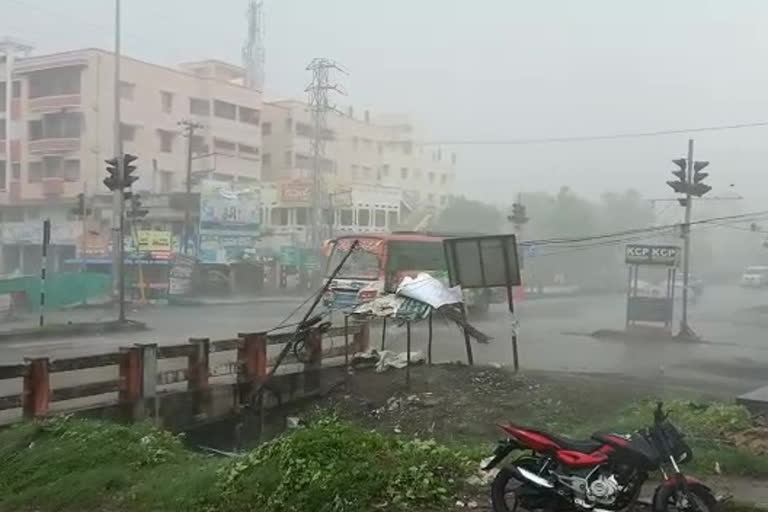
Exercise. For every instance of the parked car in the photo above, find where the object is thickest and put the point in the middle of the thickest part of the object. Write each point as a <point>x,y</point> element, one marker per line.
<point>755,276</point>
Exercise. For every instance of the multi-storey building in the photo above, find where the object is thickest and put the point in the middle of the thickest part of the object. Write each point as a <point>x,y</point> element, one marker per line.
<point>61,129</point>
<point>362,156</point>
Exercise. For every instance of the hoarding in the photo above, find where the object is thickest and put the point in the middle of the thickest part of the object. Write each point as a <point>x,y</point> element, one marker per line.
<point>230,221</point>
<point>664,255</point>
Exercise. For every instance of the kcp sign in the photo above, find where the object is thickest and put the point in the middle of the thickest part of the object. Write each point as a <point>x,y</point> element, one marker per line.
<point>666,255</point>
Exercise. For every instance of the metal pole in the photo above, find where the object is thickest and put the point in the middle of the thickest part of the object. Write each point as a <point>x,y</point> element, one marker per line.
<point>9,64</point>
<point>187,205</point>
<point>118,267</point>
<point>684,328</point>
<point>43,262</point>
<point>383,332</point>
<point>408,354</point>
<point>429,339</point>
<point>511,303</point>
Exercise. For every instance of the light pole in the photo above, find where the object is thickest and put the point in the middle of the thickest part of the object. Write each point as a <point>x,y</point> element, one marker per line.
<point>189,129</point>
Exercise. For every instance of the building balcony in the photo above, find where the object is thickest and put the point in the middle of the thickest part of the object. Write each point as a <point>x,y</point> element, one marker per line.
<point>53,187</point>
<point>54,103</point>
<point>15,150</point>
<point>57,146</point>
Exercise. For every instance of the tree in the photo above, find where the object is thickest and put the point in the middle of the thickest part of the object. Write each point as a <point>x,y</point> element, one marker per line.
<point>464,215</point>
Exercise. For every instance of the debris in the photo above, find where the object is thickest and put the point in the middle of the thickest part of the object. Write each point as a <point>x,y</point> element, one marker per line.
<point>397,429</point>
<point>292,422</point>
<point>472,504</point>
<point>425,288</point>
<point>460,504</point>
<point>386,359</point>
<point>754,440</point>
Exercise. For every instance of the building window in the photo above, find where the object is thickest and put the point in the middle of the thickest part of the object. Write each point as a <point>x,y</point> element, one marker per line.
<point>404,173</point>
<point>431,177</point>
<point>52,166</point>
<point>366,172</point>
<point>199,107</point>
<point>303,130</point>
<point>2,175</point>
<point>2,124</point>
<point>224,146</point>
<point>355,142</point>
<point>127,132</point>
<point>166,141</point>
<point>346,217</point>
<point>199,146</point>
<point>224,110</point>
<point>364,217</point>
<point>35,172</point>
<point>302,216</point>
<point>266,160</point>
<point>249,115</point>
<point>303,161</point>
<point>288,159</point>
<point>71,170</point>
<point>443,199</point>
<point>355,170</point>
<point>166,182</point>
<point>289,125</point>
<point>248,151</point>
<point>16,171</point>
<point>166,101</point>
<point>279,216</point>
<point>35,130</point>
<point>127,91</point>
<point>16,93</point>
<point>444,179</point>
<point>54,82</point>
<point>380,218</point>
<point>417,174</point>
<point>266,128</point>
<point>408,147</point>
<point>385,170</point>
<point>392,218</point>
<point>56,126</point>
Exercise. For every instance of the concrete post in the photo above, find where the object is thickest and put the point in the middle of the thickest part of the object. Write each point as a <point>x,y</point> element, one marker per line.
<point>149,401</point>
<point>198,368</point>
<point>252,359</point>
<point>130,391</point>
<point>37,388</point>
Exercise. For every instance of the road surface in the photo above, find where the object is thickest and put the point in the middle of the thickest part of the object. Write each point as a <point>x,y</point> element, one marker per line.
<point>732,361</point>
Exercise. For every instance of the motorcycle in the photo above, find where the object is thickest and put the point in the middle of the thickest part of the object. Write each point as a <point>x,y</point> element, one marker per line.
<point>600,474</point>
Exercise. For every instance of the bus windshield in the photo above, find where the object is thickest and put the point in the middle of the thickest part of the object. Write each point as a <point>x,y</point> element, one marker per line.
<point>413,255</point>
<point>362,264</point>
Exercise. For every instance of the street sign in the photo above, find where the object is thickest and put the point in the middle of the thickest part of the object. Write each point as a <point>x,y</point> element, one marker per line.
<point>482,262</point>
<point>531,251</point>
<point>662,255</point>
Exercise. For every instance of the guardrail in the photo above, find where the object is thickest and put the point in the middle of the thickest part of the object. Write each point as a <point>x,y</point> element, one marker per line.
<point>138,376</point>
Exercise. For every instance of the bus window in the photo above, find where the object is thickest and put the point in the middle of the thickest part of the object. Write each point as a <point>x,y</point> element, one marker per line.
<point>362,264</point>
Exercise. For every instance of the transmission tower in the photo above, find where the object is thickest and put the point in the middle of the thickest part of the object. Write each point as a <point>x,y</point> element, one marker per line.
<point>318,90</point>
<point>253,49</point>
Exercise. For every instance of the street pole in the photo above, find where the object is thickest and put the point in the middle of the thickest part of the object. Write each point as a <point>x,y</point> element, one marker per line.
<point>685,330</point>
<point>189,128</point>
<point>118,224</point>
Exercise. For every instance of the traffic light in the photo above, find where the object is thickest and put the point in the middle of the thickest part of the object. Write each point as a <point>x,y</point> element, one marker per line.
<point>681,185</point>
<point>112,181</point>
<point>80,209</point>
<point>518,217</point>
<point>698,188</point>
<point>136,211</point>
<point>128,170</point>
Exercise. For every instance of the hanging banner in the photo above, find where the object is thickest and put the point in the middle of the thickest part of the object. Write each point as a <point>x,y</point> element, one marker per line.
<point>230,222</point>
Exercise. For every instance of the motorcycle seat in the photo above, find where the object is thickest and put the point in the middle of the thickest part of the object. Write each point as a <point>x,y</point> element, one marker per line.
<point>576,445</point>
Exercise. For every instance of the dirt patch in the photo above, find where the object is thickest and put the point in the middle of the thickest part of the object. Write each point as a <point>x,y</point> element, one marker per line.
<point>461,403</point>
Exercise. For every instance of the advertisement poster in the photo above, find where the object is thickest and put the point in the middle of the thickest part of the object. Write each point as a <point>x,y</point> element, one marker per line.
<point>180,276</point>
<point>230,222</point>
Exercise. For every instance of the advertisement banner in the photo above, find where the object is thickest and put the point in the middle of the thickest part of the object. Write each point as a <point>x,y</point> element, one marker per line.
<point>296,192</point>
<point>230,222</point>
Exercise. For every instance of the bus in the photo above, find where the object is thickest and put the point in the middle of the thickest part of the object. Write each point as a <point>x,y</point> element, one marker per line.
<point>382,261</point>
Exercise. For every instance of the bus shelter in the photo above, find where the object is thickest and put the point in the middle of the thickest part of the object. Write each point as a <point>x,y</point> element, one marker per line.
<point>649,303</point>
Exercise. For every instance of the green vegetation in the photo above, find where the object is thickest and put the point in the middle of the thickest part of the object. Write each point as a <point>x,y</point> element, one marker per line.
<point>331,465</point>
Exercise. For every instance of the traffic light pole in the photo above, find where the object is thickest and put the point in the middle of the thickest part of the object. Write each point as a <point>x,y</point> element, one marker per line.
<point>118,202</point>
<point>685,330</point>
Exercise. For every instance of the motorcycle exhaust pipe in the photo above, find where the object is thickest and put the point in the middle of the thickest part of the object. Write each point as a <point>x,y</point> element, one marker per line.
<point>534,478</point>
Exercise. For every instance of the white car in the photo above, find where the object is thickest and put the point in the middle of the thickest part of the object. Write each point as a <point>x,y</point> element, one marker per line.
<point>755,276</point>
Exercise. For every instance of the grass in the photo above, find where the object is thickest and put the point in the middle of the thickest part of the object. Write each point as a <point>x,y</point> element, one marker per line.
<point>331,465</point>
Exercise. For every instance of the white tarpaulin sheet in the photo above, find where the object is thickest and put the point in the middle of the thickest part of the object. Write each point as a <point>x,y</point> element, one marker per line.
<point>427,289</point>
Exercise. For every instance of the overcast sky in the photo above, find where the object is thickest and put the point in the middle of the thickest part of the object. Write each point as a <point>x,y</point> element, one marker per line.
<point>490,69</point>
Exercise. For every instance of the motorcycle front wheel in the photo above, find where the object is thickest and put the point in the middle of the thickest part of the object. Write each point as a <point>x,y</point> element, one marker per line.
<point>698,499</point>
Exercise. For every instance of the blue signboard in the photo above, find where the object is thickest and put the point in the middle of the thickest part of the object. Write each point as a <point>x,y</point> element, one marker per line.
<point>230,222</point>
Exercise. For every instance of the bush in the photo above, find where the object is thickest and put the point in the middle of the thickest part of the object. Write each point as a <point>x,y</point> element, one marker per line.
<point>333,466</point>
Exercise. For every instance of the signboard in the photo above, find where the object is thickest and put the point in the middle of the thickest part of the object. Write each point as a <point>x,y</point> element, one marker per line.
<point>483,261</point>
<point>664,255</point>
<point>296,192</point>
<point>31,232</point>
<point>154,241</point>
<point>180,275</point>
<point>299,257</point>
<point>230,222</point>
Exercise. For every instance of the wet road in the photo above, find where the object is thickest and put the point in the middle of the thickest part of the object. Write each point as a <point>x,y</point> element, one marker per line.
<point>734,359</point>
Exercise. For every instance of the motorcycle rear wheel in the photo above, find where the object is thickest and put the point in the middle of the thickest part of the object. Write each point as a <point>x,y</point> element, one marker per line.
<point>506,496</point>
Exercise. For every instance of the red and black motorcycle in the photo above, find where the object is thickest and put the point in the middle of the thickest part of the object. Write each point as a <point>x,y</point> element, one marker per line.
<point>603,473</point>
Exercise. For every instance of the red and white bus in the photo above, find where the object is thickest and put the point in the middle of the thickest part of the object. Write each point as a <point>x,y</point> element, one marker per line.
<point>381,262</point>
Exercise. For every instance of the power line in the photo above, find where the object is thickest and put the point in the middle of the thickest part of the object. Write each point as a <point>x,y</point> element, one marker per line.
<point>587,138</point>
